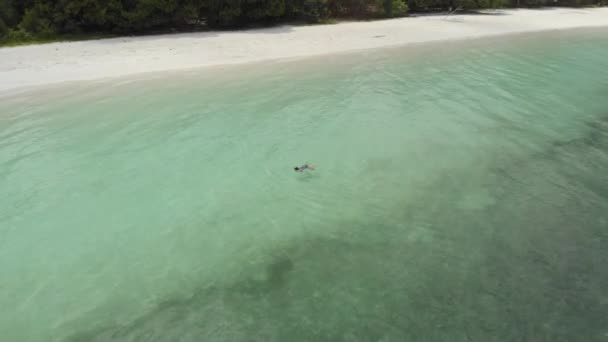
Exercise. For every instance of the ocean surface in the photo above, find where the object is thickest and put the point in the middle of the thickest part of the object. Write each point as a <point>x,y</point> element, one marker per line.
<point>460,194</point>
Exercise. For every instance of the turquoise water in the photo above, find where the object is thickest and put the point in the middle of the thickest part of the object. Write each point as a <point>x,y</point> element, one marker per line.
<point>461,194</point>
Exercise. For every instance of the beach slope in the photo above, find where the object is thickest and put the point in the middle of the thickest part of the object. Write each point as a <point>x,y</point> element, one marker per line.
<point>96,59</point>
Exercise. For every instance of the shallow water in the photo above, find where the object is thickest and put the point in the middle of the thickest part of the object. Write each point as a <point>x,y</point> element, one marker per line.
<point>461,194</point>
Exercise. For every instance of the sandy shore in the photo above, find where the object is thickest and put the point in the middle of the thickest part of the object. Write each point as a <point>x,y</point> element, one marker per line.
<point>88,60</point>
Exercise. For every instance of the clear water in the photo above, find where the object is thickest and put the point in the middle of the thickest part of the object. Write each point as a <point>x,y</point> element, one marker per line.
<point>461,194</point>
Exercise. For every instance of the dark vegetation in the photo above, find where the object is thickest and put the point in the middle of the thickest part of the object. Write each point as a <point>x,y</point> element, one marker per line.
<point>46,20</point>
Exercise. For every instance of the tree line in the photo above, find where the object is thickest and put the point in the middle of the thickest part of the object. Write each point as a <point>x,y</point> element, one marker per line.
<point>23,19</point>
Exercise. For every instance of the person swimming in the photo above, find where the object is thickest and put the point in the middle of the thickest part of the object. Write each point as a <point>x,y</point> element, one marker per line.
<point>304,168</point>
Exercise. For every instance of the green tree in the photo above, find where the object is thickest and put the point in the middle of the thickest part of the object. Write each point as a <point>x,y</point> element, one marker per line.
<point>71,16</point>
<point>146,14</point>
<point>392,8</point>
<point>7,13</point>
<point>37,20</point>
<point>535,3</point>
<point>224,13</point>
<point>3,29</point>
<point>355,8</point>
<point>190,12</point>
<point>275,8</point>
<point>261,11</point>
<point>479,4</point>
<point>398,9</point>
<point>4,14</point>
<point>314,11</point>
<point>428,5</point>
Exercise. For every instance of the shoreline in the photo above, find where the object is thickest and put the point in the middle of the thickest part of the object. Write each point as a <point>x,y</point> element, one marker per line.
<point>37,65</point>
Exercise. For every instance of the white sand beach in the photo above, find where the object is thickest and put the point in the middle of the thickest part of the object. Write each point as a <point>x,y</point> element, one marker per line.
<point>88,60</point>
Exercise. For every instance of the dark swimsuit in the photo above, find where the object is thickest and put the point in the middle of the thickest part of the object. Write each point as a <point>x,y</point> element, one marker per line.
<point>302,168</point>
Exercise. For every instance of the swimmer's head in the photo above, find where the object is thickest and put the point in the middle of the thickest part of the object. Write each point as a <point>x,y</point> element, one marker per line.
<point>296,168</point>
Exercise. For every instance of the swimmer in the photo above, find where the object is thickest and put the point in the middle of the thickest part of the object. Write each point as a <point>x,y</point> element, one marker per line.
<point>304,168</point>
